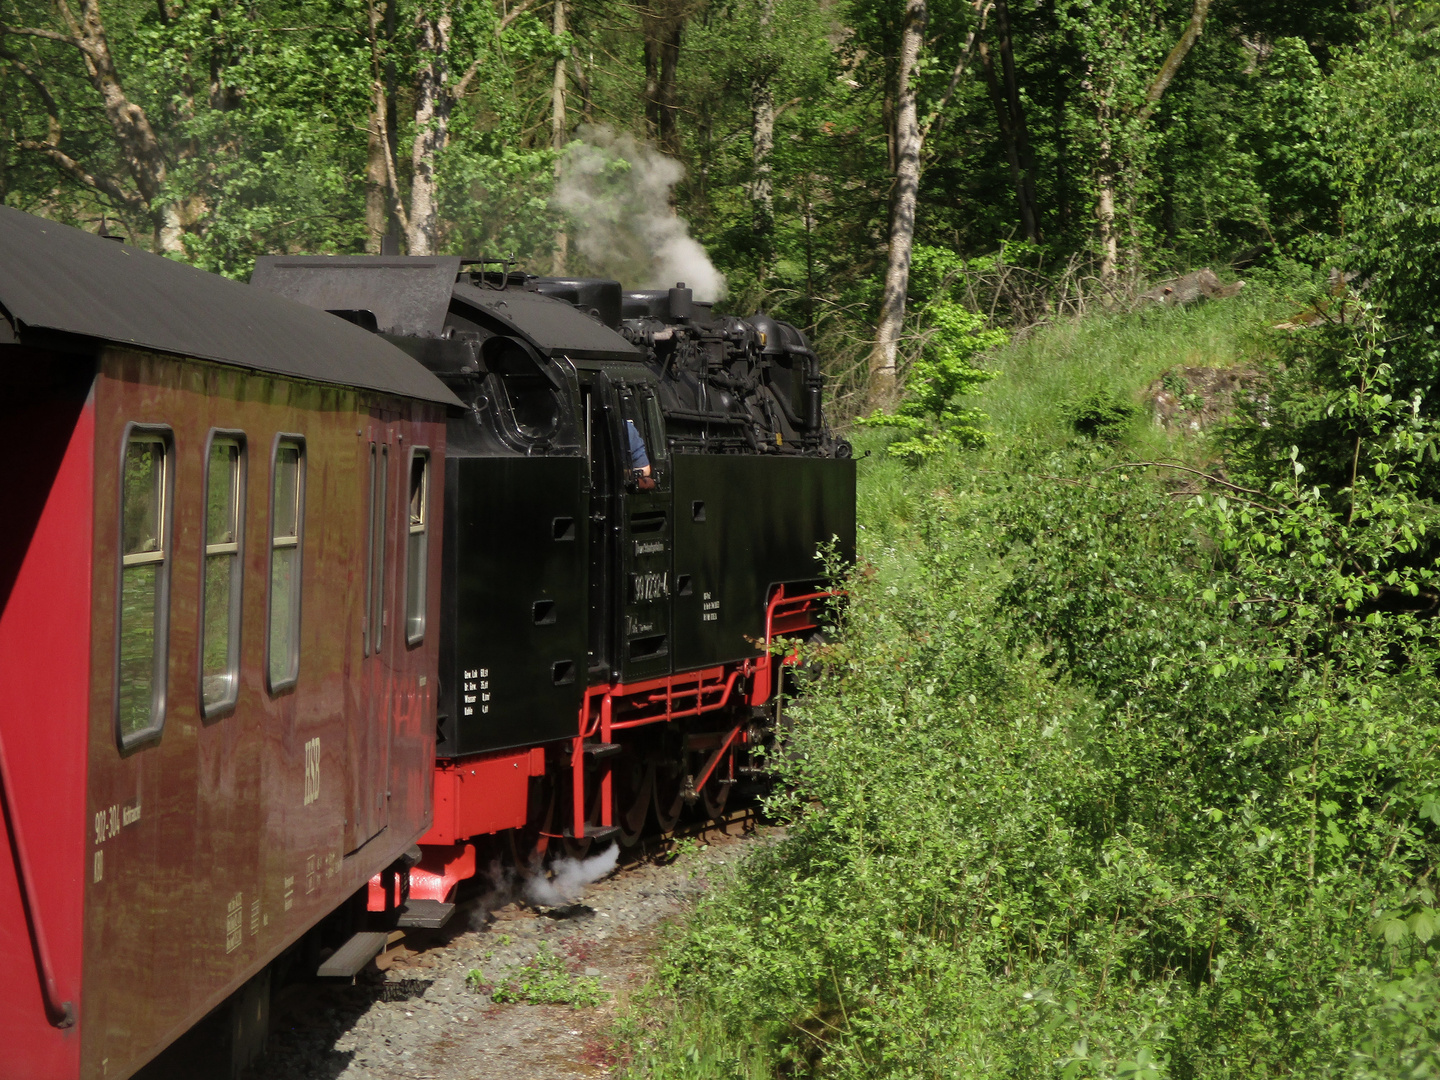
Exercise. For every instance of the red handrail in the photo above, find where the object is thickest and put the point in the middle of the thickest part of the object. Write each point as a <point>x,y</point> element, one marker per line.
<point>61,1014</point>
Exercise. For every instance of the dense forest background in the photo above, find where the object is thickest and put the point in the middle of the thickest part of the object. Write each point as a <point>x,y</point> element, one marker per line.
<point>1025,156</point>
<point>1122,758</point>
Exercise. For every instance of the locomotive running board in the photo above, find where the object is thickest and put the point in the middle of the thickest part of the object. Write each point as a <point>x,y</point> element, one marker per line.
<point>425,914</point>
<point>346,961</point>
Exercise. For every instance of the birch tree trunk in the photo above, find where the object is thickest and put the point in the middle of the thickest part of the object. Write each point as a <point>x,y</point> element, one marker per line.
<point>883,374</point>
<point>432,117</point>
<point>1116,160</point>
<point>762,132</point>
<point>558,129</point>
<point>377,146</point>
<point>1105,203</point>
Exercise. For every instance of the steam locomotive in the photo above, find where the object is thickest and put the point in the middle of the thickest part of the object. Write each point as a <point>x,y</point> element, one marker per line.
<point>298,611</point>
<point>635,495</point>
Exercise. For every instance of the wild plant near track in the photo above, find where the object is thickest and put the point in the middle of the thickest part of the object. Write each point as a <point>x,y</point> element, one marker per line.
<point>1106,775</point>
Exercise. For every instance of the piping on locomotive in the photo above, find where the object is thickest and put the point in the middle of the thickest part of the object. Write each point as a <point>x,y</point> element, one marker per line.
<point>634,499</point>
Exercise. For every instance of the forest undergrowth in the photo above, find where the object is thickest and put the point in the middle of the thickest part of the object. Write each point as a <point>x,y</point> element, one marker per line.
<point>1121,761</point>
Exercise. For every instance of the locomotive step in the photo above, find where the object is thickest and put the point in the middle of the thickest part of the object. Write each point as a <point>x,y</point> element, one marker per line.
<point>599,751</point>
<point>599,833</point>
<point>425,914</point>
<point>346,961</point>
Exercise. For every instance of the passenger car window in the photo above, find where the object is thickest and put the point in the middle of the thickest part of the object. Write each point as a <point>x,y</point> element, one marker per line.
<point>415,557</point>
<point>375,568</point>
<point>287,523</point>
<point>220,600</point>
<point>141,646</point>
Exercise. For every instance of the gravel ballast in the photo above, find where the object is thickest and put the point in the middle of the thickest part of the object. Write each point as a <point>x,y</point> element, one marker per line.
<point>417,1014</point>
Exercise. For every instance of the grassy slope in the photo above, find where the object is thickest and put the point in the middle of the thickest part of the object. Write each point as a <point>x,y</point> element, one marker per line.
<point>1004,867</point>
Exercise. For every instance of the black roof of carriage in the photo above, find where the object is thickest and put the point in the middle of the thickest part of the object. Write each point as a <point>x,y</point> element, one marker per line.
<point>57,278</point>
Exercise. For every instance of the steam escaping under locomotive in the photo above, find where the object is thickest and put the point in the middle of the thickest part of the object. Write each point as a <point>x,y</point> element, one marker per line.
<point>635,496</point>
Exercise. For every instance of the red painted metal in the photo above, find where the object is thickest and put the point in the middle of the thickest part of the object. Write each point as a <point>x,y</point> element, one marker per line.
<point>440,869</point>
<point>483,794</point>
<point>45,599</point>
<point>717,755</point>
<point>235,836</point>
<point>623,706</point>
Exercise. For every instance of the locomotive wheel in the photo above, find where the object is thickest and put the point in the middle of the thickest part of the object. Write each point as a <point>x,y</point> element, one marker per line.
<point>715,794</point>
<point>633,783</point>
<point>669,791</point>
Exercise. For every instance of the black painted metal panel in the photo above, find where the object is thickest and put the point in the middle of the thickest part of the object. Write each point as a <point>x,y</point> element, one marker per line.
<point>741,525</point>
<point>514,640</point>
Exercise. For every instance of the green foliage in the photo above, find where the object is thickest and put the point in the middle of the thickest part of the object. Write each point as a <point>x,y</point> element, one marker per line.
<point>1387,121</point>
<point>1100,416</point>
<point>1110,771</point>
<point>546,979</point>
<point>953,340</point>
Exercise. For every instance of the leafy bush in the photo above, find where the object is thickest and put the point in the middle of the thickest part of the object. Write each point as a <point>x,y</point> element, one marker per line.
<point>1100,416</point>
<point>1110,771</point>
<point>932,415</point>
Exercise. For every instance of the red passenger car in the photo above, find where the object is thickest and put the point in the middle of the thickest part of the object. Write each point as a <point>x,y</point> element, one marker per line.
<point>219,583</point>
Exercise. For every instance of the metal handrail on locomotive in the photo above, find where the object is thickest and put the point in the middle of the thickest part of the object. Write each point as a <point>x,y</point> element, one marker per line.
<point>635,496</point>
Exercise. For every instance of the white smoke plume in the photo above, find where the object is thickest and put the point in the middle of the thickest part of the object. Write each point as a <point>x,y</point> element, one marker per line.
<point>569,878</point>
<point>616,191</point>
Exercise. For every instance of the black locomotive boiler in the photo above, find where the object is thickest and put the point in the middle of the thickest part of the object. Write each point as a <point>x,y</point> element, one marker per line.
<point>635,496</point>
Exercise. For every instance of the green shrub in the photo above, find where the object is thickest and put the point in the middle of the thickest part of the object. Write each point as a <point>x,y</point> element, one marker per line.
<point>1109,771</point>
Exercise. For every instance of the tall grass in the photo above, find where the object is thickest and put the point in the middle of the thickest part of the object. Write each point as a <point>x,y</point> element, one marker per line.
<point>1118,355</point>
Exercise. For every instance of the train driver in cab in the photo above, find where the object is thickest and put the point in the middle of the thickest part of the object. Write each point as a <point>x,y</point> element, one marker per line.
<point>639,458</point>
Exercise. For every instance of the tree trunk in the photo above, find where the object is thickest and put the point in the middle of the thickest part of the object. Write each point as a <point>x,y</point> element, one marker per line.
<point>653,29</point>
<point>669,71</point>
<point>1007,138</point>
<point>1116,162</point>
<point>1029,216</point>
<point>129,126</point>
<point>558,130</point>
<point>762,133</point>
<point>904,194</point>
<point>378,141</point>
<point>432,117</point>
<point>1105,205</point>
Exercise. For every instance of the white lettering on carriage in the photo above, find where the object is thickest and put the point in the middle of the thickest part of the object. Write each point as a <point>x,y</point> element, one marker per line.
<point>312,770</point>
<point>234,912</point>
<point>99,865</point>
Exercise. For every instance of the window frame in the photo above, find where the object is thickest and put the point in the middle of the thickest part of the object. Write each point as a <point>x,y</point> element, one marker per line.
<point>284,439</point>
<point>374,618</point>
<point>242,479</point>
<point>417,637</point>
<point>159,693</point>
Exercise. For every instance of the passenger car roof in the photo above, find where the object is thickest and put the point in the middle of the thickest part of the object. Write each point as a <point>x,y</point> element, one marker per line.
<point>57,278</point>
